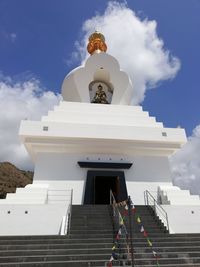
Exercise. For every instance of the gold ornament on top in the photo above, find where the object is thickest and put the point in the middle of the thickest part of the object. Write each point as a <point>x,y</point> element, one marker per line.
<point>96,43</point>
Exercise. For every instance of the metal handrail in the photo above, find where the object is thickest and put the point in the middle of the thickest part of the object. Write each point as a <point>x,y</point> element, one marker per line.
<point>118,217</point>
<point>69,214</point>
<point>66,222</point>
<point>159,211</point>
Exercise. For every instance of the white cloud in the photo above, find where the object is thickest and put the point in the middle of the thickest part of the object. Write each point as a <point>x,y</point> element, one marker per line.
<point>20,101</point>
<point>185,164</point>
<point>136,45</point>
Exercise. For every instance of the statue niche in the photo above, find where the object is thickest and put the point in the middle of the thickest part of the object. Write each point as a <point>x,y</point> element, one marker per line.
<point>100,96</point>
<point>100,92</point>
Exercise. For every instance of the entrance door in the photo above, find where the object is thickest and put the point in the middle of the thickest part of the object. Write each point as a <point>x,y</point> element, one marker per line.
<point>99,184</point>
<point>102,187</point>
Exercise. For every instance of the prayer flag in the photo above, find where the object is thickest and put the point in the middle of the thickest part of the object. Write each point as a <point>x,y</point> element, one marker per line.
<point>142,229</point>
<point>121,221</point>
<point>114,256</point>
<point>145,234</point>
<point>154,253</point>
<point>125,212</point>
<point>149,242</point>
<point>133,209</point>
<point>111,259</point>
<point>109,264</point>
<point>138,219</point>
<point>114,247</point>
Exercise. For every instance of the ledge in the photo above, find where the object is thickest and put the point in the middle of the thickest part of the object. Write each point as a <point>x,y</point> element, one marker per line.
<point>104,165</point>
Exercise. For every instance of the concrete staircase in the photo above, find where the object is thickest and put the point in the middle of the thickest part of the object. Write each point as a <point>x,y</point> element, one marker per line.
<point>91,239</point>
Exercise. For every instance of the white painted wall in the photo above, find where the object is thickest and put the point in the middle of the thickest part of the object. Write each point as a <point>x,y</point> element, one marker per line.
<point>40,219</point>
<point>82,127</point>
<point>149,169</point>
<point>173,195</point>
<point>136,190</point>
<point>183,219</point>
<point>64,167</point>
<point>146,173</point>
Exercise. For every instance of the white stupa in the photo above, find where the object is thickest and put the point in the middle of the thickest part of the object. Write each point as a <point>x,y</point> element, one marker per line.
<point>94,141</point>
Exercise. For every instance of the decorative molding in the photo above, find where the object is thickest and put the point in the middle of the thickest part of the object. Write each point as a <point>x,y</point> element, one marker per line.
<point>104,165</point>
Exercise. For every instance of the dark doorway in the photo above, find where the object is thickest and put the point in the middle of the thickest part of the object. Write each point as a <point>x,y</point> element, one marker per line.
<point>99,184</point>
<point>102,187</point>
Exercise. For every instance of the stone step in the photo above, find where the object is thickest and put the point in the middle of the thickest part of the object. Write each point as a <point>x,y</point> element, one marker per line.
<point>91,239</point>
<point>96,257</point>
<point>137,237</point>
<point>97,251</point>
<point>89,221</point>
<point>138,249</point>
<point>158,240</point>
<point>64,237</point>
<point>87,264</point>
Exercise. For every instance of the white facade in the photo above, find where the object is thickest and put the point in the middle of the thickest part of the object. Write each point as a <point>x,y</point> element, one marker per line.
<point>77,130</point>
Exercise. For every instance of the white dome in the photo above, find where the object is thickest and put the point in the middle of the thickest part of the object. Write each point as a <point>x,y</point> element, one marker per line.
<point>99,67</point>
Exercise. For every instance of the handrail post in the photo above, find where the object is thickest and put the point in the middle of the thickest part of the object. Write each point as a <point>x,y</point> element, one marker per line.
<point>167,222</point>
<point>70,212</point>
<point>147,197</point>
<point>154,202</point>
<point>130,230</point>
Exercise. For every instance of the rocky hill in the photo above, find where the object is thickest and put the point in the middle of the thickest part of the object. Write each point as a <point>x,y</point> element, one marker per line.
<point>11,177</point>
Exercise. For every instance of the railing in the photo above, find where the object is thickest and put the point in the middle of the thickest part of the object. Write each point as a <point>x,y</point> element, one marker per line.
<point>69,214</point>
<point>124,258</point>
<point>66,222</point>
<point>159,211</point>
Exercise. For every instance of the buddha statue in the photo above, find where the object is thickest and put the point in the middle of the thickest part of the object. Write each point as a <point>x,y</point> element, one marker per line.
<point>100,96</point>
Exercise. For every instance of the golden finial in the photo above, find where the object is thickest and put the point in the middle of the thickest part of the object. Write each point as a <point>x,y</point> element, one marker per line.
<point>96,43</point>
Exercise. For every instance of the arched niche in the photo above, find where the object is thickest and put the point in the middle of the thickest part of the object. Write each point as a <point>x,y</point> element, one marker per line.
<point>101,89</point>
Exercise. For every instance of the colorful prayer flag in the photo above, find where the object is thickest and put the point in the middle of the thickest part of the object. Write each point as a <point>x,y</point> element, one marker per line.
<point>154,253</point>
<point>114,247</point>
<point>125,212</point>
<point>111,259</point>
<point>149,242</point>
<point>138,220</point>
<point>109,264</point>
<point>145,234</point>
<point>114,256</point>
<point>142,229</point>
<point>133,209</point>
<point>121,221</point>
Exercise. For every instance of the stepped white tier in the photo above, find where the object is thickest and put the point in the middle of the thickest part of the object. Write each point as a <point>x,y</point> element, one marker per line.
<point>91,148</point>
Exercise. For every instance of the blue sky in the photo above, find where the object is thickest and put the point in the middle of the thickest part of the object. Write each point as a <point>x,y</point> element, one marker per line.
<point>37,38</point>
